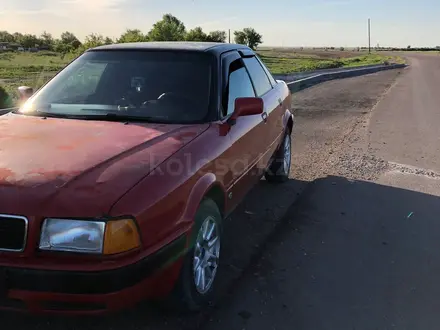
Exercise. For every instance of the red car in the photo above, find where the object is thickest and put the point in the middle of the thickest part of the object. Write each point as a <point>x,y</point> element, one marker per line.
<point>116,175</point>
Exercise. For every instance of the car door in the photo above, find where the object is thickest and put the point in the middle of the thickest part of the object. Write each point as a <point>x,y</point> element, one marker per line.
<point>282,99</point>
<point>264,88</point>
<point>247,135</point>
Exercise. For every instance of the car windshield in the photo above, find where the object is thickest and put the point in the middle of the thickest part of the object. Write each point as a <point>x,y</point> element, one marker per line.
<point>170,87</point>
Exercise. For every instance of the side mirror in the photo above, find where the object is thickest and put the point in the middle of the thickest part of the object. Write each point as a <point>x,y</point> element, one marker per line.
<point>247,106</point>
<point>25,92</point>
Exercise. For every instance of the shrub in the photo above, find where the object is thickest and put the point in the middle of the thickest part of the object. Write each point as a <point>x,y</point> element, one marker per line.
<point>7,56</point>
<point>47,53</point>
<point>5,99</point>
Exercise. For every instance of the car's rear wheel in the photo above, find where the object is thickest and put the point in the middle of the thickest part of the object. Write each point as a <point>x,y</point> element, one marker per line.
<point>195,287</point>
<point>280,168</point>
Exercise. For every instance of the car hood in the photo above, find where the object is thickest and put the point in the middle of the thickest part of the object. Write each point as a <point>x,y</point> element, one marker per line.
<point>67,167</point>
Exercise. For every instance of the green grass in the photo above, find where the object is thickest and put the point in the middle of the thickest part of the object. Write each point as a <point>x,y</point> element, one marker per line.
<point>30,69</point>
<point>371,59</point>
<point>293,63</point>
<point>21,65</point>
<point>30,62</point>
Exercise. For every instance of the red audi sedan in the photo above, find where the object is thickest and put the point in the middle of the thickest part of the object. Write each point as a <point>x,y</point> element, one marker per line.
<point>115,176</point>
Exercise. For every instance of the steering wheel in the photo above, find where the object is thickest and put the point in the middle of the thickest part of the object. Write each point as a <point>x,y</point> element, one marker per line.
<point>129,101</point>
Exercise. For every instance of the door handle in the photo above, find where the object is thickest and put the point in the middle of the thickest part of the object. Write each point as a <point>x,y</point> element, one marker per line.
<point>264,116</point>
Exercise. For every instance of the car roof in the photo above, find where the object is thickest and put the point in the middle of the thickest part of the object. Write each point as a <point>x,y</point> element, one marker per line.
<point>211,47</point>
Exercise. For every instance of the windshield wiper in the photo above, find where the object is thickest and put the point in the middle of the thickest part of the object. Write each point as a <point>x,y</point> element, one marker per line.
<point>118,117</point>
<point>107,116</point>
<point>45,114</point>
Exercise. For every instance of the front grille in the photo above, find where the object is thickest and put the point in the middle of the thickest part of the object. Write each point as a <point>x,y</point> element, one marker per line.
<point>13,230</point>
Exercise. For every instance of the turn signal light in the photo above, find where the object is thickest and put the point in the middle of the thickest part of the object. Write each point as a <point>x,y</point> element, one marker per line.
<point>121,236</point>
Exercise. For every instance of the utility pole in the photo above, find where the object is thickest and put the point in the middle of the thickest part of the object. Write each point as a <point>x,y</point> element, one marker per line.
<point>229,35</point>
<point>369,36</point>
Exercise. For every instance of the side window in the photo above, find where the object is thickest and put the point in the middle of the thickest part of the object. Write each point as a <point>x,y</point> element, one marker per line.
<point>239,85</point>
<point>259,77</point>
<point>269,75</point>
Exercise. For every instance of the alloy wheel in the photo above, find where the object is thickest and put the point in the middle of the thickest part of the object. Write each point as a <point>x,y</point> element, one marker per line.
<point>206,255</point>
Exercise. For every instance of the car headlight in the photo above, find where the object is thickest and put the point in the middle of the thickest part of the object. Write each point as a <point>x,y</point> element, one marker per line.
<point>83,236</point>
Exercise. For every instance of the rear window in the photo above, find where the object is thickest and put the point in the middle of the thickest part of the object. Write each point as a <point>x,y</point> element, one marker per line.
<point>167,86</point>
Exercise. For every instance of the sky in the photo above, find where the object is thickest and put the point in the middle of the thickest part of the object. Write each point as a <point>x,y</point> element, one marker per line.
<point>281,22</point>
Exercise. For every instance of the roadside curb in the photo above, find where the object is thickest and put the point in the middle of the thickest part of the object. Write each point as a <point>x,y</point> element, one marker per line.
<point>294,76</point>
<point>298,85</point>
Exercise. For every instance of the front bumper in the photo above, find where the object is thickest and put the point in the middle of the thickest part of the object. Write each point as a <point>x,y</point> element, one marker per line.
<point>91,292</point>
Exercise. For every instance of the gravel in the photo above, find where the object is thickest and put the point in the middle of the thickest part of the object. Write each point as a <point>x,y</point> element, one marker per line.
<point>331,132</point>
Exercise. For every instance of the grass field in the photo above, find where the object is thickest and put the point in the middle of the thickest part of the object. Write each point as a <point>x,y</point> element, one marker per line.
<point>34,69</point>
<point>30,69</point>
<point>285,60</point>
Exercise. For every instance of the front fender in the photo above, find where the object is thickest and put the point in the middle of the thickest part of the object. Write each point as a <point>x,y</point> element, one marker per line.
<point>288,120</point>
<point>165,207</point>
<point>201,189</point>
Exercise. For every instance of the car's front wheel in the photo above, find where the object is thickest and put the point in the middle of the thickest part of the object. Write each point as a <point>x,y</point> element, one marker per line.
<point>279,170</point>
<point>195,286</point>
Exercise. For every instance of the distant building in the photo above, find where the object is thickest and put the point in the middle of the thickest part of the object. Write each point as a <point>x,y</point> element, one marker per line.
<point>5,46</point>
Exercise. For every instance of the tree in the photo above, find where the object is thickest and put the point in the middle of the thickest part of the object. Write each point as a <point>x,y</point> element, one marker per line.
<point>409,47</point>
<point>67,43</point>
<point>70,40</point>
<point>60,47</point>
<point>108,41</point>
<point>18,37</point>
<point>93,40</point>
<point>196,34</point>
<point>46,39</point>
<point>5,36</point>
<point>29,41</point>
<point>170,28</point>
<point>217,36</point>
<point>248,37</point>
<point>132,36</point>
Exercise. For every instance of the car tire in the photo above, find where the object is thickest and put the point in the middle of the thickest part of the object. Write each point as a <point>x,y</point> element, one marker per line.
<point>279,170</point>
<point>190,295</point>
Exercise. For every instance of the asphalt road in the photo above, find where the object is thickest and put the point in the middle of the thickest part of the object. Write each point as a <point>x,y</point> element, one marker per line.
<point>345,255</point>
<point>360,249</point>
